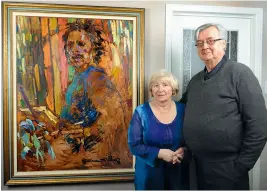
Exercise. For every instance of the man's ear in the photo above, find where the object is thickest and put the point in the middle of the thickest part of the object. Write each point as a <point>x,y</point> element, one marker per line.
<point>224,45</point>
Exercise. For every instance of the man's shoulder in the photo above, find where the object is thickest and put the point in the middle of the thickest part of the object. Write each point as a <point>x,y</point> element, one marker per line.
<point>237,66</point>
<point>239,71</point>
<point>197,76</point>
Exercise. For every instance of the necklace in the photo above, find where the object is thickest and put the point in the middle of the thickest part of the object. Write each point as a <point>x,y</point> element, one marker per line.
<point>162,111</point>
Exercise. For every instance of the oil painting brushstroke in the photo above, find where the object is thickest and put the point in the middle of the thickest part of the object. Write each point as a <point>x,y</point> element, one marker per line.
<point>74,93</point>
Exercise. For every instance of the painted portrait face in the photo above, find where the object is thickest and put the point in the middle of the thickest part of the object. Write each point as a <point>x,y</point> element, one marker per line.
<point>207,51</point>
<point>79,49</point>
<point>162,90</point>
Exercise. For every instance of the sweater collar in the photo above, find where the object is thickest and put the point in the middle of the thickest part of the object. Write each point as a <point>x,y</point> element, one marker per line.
<point>215,70</point>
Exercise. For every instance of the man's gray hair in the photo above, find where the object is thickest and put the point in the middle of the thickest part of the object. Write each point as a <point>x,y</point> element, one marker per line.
<point>221,29</point>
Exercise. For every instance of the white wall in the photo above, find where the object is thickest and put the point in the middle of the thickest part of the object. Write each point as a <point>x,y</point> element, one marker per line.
<point>154,60</point>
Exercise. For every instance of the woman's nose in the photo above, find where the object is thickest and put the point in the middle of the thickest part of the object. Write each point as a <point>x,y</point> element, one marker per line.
<point>160,87</point>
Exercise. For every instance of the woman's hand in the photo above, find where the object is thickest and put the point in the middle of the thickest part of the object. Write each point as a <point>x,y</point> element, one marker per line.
<point>166,155</point>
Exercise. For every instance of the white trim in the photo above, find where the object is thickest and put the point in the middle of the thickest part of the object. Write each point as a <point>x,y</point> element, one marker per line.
<point>168,41</point>
<point>256,17</point>
<point>256,52</point>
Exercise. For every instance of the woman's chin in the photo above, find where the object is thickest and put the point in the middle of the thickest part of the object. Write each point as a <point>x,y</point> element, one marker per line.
<point>162,99</point>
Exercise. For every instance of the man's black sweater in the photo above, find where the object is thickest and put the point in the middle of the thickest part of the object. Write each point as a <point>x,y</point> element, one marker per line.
<point>226,116</point>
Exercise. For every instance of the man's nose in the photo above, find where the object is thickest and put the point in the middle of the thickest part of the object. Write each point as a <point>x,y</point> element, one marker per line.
<point>205,45</point>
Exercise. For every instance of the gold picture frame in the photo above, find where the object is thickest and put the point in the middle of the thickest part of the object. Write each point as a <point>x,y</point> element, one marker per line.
<point>57,126</point>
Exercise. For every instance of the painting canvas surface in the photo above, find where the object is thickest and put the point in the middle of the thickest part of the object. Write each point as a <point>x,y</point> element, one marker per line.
<point>74,94</point>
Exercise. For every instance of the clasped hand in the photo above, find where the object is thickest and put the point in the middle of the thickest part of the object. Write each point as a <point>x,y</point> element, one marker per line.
<point>171,156</point>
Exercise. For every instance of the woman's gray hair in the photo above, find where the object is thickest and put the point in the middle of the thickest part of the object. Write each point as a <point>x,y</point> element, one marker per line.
<point>221,29</point>
<point>166,76</point>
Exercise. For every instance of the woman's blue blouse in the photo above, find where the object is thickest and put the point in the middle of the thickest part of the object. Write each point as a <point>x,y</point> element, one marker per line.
<point>146,136</point>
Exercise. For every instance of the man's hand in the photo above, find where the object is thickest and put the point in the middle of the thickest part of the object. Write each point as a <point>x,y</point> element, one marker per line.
<point>178,155</point>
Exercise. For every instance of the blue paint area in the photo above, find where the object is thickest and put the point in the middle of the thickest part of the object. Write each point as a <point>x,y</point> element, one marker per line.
<point>31,142</point>
<point>27,125</point>
<point>79,107</point>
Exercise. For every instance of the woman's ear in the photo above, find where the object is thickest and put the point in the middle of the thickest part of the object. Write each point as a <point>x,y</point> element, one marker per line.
<point>151,93</point>
<point>174,92</point>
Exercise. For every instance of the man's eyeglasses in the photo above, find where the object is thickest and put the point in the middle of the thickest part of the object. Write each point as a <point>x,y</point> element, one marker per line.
<point>209,42</point>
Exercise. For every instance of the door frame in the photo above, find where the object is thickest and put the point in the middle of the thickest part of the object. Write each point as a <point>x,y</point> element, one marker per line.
<point>255,15</point>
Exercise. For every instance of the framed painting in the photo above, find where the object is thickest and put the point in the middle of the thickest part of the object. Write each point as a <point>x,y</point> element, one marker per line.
<point>72,77</point>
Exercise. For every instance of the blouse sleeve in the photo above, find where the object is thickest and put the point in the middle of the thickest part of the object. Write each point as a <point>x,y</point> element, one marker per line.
<point>136,143</point>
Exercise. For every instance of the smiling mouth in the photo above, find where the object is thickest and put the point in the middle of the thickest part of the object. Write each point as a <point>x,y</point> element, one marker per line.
<point>206,52</point>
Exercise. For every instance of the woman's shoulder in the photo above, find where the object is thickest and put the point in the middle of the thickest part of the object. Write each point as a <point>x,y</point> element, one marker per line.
<point>180,106</point>
<point>141,110</point>
<point>142,107</point>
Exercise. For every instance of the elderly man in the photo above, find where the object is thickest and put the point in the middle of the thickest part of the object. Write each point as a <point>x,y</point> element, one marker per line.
<point>225,119</point>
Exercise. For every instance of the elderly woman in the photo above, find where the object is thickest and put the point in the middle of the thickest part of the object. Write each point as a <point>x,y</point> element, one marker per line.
<point>155,137</point>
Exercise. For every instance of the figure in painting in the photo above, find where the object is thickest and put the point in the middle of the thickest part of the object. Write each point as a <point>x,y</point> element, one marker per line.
<point>90,86</point>
<point>92,101</point>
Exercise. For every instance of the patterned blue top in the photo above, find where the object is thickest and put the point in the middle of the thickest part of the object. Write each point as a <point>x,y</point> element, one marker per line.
<point>146,136</point>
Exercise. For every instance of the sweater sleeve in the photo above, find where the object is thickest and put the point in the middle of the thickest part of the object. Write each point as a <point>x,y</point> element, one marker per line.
<point>254,116</point>
<point>136,143</point>
<point>187,153</point>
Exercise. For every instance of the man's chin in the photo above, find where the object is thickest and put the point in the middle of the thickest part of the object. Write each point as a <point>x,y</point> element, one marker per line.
<point>206,58</point>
